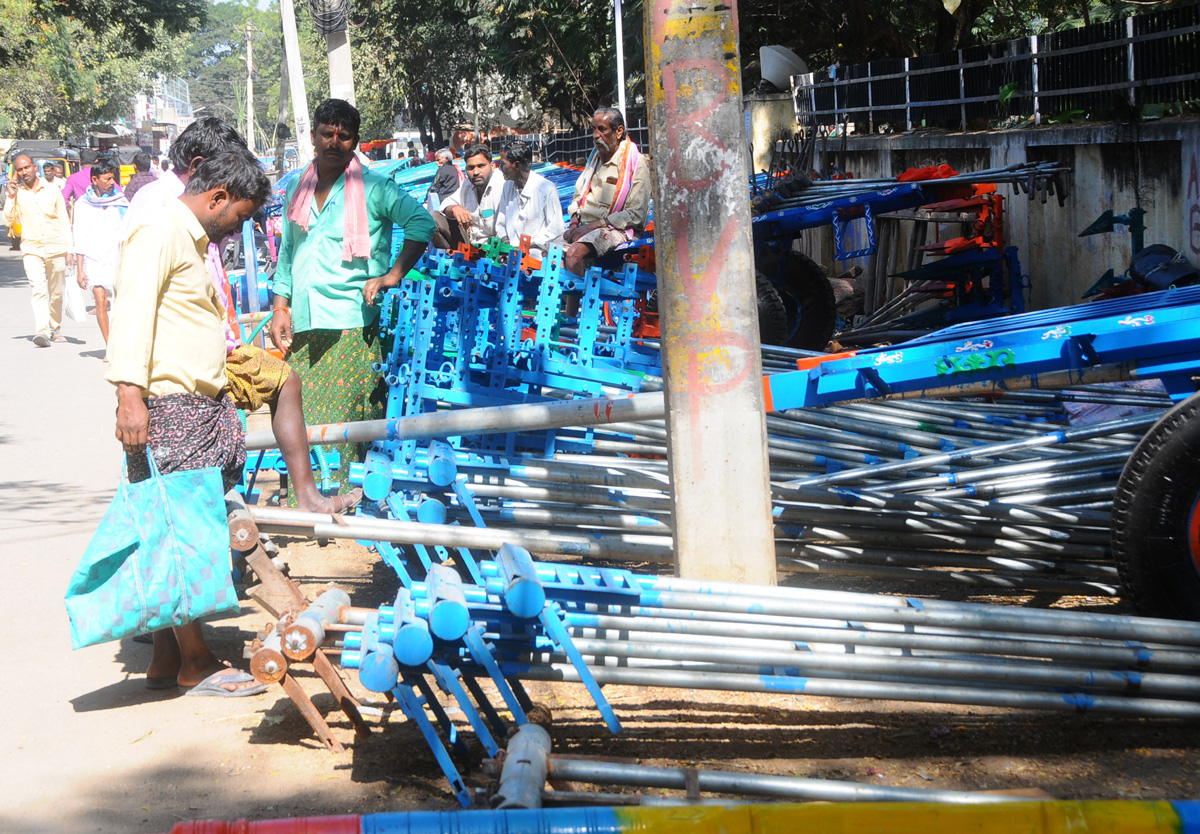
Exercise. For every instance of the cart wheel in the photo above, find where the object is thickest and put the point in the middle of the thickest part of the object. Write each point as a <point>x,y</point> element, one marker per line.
<point>1156,517</point>
<point>772,317</point>
<point>807,300</point>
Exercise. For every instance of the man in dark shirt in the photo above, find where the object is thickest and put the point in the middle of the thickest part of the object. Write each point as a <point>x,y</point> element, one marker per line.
<point>143,176</point>
<point>446,182</point>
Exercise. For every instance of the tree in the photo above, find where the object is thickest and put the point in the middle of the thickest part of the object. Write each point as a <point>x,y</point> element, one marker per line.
<point>68,77</point>
<point>213,61</point>
<point>138,26</point>
<point>419,57</point>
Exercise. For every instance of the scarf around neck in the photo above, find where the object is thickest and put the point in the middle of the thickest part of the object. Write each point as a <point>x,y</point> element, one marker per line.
<point>356,241</point>
<point>116,198</point>
<point>628,158</point>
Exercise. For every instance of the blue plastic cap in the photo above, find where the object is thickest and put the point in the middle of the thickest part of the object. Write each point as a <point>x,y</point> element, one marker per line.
<point>377,485</point>
<point>449,620</point>
<point>525,599</point>
<point>442,471</point>
<point>413,645</point>
<point>431,511</point>
<point>379,672</point>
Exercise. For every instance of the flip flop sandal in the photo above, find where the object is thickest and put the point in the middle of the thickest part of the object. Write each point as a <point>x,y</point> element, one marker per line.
<point>212,685</point>
<point>158,684</point>
<point>348,501</point>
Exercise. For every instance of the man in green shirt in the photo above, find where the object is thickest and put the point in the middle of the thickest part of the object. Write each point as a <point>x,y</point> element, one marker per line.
<point>335,258</point>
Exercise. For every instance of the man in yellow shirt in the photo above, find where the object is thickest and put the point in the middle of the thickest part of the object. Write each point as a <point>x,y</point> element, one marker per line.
<point>45,242</point>
<point>167,360</point>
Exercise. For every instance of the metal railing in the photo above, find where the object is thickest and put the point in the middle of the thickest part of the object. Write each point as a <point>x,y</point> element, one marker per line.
<point>567,147</point>
<point>1116,65</point>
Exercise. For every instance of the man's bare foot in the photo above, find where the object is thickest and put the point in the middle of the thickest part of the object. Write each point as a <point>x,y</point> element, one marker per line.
<point>166,661</point>
<point>319,503</point>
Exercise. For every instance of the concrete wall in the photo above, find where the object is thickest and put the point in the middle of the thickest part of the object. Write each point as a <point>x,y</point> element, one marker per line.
<point>769,118</point>
<point>1114,166</point>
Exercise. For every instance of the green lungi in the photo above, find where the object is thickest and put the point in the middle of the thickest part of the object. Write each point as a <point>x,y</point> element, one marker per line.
<point>339,386</point>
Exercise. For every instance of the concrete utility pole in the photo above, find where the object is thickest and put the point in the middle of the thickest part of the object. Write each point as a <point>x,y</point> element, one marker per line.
<point>619,23</point>
<point>341,72</point>
<point>250,86</point>
<point>291,44</point>
<point>710,345</point>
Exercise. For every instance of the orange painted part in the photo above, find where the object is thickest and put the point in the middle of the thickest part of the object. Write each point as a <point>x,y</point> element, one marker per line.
<point>646,327</point>
<point>955,245</point>
<point>528,334</point>
<point>468,251</point>
<point>301,825</point>
<point>929,172</point>
<point>808,362</point>
<point>768,400</point>
<point>644,258</point>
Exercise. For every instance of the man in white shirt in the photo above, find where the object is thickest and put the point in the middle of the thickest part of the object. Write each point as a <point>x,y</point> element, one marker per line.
<point>530,206</point>
<point>472,212</point>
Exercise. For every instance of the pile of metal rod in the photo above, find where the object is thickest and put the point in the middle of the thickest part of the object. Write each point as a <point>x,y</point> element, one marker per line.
<point>661,631</point>
<point>523,621</point>
<point>999,494</point>
<point>1042,178</point>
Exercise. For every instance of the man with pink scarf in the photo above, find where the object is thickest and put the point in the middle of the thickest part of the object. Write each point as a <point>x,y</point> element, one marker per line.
<point>612,195</point>
<point>334,260</point>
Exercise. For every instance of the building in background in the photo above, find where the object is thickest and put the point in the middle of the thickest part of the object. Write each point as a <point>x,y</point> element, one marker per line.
<point>160,115</point>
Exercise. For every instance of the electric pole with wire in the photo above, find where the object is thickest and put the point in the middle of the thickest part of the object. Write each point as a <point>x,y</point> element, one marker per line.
<point>250,87</point>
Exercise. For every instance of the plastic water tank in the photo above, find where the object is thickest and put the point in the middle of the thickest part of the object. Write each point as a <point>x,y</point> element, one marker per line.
<point>779,64</point>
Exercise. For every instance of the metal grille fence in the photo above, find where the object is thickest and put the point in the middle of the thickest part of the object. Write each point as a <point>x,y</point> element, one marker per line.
<point>567,147</point>
<point>1152,58</point>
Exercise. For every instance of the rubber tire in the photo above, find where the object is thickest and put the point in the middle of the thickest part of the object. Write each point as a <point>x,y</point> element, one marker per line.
<point>808,302</point>
<point>1152,513</point>
<point>772,317</point>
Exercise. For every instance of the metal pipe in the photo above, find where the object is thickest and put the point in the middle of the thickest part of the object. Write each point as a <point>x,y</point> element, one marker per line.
<point>734,682</point>
<point>874,639</point>
<point>620,546</point>
<point>1051,438</point>
<point>751,784</point>
<point>526,764</point>
<point>959,671</point>
<point>481,421</point>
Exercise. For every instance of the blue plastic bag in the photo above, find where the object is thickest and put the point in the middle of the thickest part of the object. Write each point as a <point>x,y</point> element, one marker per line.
<point>159,558</point>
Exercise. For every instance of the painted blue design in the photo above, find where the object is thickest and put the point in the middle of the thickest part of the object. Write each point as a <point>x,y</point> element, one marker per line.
<point>1080,700</point>
<point>543,821</point>
<point>1189,815</point>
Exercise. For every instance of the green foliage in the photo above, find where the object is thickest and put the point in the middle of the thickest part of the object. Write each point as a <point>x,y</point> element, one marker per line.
<point>1007,91</point>
<point>137,25</point>
<point>213,61</point>
<point>65,77</point>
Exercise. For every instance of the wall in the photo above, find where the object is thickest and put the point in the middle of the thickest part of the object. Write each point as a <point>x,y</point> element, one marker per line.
<point>1114,166</point>
<point>769,117</point>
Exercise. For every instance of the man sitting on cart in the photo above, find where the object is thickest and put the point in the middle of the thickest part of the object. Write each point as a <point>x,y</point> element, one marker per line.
<point>612,196</point>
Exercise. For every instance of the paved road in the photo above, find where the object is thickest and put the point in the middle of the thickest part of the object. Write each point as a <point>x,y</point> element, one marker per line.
<point>85,746</point>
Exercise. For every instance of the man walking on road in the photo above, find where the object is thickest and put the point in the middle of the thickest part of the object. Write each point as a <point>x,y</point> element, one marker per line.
<point>167,361</point>
<point>45,242</point>
<point>97,242</point>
